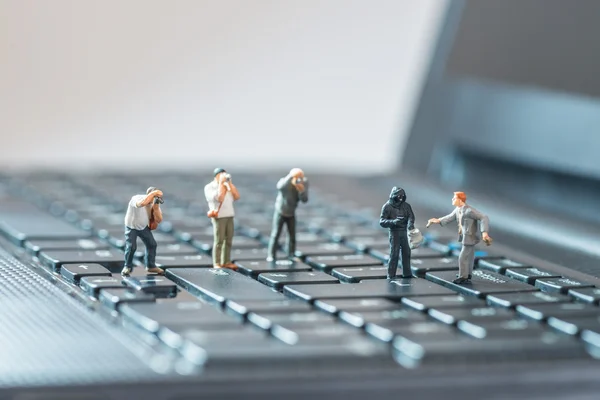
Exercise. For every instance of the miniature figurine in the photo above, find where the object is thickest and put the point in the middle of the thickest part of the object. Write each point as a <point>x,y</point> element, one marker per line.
<point>220,195</point>
<point>143,215</point>
<point>468,219</point>
<point>397,215</point>
<point>293,188</point>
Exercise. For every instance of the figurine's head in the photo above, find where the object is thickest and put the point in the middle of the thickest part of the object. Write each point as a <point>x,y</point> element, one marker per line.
<point>397,195</point>
<point>150,189</point>
<point>459,199</point>
<point>217,172</point>
<point>297,173</point>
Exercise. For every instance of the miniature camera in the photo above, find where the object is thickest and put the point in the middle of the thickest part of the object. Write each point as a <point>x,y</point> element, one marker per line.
<point>158,200</point>
<point>300,180</point>
<point>227,177</point>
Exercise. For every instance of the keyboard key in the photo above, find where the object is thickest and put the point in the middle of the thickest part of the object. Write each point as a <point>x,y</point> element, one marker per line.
<point>420,266</point>
<point>560,285</point>
<point>34,247</point>
<point>362,243</point>
<point>529,274</point>
<point>360,319</point>
<point>184,261</point>
<point>511,300</point>
<point>511,328</point>
<point>498,265</point>
<point>573,324</point>
<point>114,298</point>
<point>425,330</point>
<point>588,295</point>
<point>151,316</point>
<point>325,334</point>
<point>253,254</point>
<point>241,308</point>
<point>254,268</point>
<point>93,284</point>
<point>219,285</point>
<point>542,312</point>
<point>74,272</point>
<point>159,286</point>
<point>205,242</point>
<point>20,221</point>
<point>425,303</point>
<point>383,252</point>
<point>107,258</point>
<point>278,279</point>
<point>482,283</point>
<point>357,274</point>
<point>395,289</point>
<point>327,263</point>
<point>360,305</point>
<point>167,249</point>
<point>290,321</point>
<point>451,316</point>
<point>323,249</point>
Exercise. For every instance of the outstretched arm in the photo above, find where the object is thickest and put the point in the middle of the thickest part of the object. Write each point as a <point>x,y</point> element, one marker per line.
<point>149,198</point>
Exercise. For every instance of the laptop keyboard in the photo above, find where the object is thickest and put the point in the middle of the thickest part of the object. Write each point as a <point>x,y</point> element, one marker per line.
<point>331,303</point>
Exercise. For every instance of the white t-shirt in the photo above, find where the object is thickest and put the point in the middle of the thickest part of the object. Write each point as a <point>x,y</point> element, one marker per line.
<point>137,217</point>
<point>211,191</point>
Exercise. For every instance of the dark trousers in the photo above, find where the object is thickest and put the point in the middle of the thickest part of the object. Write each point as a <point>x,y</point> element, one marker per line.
<point>145,234</point>
<point>399,248</point>
<point>278,221</point>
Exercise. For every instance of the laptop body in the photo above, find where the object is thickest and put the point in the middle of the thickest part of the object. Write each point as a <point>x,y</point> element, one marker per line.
<point>442,156</point>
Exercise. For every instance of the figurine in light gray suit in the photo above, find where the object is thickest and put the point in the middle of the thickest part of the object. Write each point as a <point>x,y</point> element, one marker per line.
<point>470,224</point>
<point>293,189</point>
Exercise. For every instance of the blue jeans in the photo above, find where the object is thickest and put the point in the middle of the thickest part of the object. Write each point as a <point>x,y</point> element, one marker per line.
<point>145,234</point>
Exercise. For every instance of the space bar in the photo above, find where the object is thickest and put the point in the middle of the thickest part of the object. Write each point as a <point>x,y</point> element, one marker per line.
<point>20,221</point>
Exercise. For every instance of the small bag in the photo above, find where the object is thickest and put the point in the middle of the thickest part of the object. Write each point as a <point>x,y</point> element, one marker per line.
<point>214,213</point>
<point>152,224</point>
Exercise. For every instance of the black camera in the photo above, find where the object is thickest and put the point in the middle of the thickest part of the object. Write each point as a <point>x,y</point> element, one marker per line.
<point>158,200</point>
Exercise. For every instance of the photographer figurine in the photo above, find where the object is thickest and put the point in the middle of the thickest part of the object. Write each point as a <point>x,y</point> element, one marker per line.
<point>293,189</point>
<point>220,195</point>
<point>142,217</point>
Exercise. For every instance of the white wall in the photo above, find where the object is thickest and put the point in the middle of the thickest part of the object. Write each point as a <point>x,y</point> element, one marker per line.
<point>313,83</point>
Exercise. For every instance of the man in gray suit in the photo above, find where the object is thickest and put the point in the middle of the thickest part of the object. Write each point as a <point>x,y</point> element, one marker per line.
<point>470,223</point>
<point>293,188</point>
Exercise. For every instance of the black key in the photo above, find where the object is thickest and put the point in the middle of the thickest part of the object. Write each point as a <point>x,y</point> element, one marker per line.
<point>482,283</point>
<point>159,286</point>
<point>506,329</point>
<point>184,261</point>
<point>114,298</point>
<point>420,266</point>
<point>424,303</point>
<point>20,221</point>
<point>360,319</point>
<point>108,258</point>
<point>253,254</point>
<point>278,279</point>
<point>588,295</point>
<point>93,284</point>
<point>323,249</point>
<point>254,268</point>
<point>326,263</point>
<point>395,289</point>
<point>74,272</point>
<point>542,312</point>
<point>218,285</point>
<point>241,308</point>
<point>34,247</point>
<point>451,316</point>
<point>383,252</point>
<point>412,351</point>
<point>339,232</point>
<point>498,265</point>
<point>529,274</point>
<point>167,249</point>
<point>151,316</point>
<point>511,300</point>
<point>590,334</point>
<point>323,334</point>
<point>424,331</point>
<point>573,325</point>
<point>362,243</point>
<point>360,305</point>
<point>205,242</point>
<point>291,321</point>
<point>560,285</point>
<point>357,274</point>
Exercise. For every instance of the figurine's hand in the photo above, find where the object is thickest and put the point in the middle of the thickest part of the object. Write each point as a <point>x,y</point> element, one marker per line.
<point>158,193</point>
<point>299,187</point>
<point>486,238</point>
<point>432,221</point>
<point>297,173</point>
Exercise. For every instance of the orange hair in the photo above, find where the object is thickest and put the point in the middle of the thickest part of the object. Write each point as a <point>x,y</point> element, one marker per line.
<point>461,195</point>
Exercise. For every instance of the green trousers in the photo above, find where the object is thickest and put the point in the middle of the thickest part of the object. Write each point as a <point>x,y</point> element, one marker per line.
<point>223,235</point>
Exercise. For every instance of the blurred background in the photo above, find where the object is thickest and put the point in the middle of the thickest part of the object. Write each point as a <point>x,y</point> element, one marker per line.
<point>328,84</point>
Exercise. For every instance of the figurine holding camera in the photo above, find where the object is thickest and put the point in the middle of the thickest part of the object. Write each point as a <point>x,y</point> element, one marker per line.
<point>220,195</point>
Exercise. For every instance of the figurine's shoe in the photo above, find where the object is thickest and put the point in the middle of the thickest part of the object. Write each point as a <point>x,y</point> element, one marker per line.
<point>230,266</point>
<point>217,266</point>
<point>126,271</point>
<point>407,276</point>
<point>461,280</point>
<point>270,259</point>
<point>155,270</point>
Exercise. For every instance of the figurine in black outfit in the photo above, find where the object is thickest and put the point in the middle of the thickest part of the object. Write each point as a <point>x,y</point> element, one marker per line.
<point>397,215</point>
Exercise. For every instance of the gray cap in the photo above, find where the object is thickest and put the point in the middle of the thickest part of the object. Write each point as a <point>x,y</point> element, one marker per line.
<point>218,171</point>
